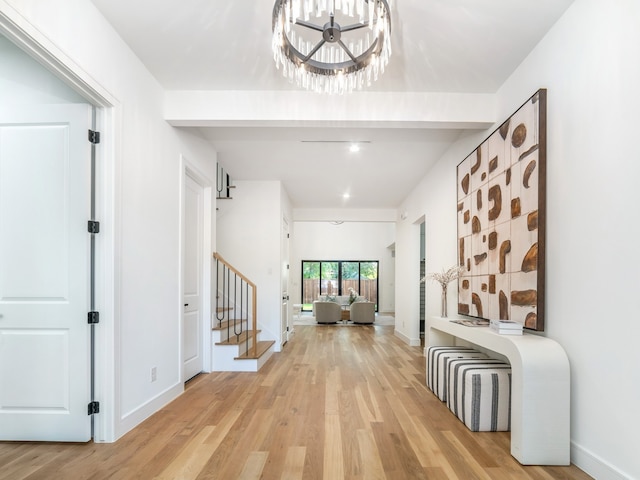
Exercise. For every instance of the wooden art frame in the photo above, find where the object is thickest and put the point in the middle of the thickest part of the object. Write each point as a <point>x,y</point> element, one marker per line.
<point>501,220</point>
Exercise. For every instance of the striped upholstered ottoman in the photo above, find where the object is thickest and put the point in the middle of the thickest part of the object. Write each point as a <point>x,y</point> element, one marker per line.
<point>437,366</point>
<point>454,368</point>
<point>480,394</point>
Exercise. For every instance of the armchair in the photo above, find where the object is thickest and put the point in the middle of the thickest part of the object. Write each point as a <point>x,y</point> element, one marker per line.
<point>327,312</point>
<point>362,312</point>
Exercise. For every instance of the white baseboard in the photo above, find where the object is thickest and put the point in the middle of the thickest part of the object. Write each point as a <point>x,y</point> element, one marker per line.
<point>134,418</point>
<point>412,342</point>
<point>595,466</point>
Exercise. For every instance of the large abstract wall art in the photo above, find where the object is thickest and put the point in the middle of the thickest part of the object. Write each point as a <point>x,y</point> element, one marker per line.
<point>501,220</point>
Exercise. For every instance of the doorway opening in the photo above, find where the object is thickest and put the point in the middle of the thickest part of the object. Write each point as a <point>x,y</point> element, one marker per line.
<point>50,95</point>
<point>338,277</point>
<point>422,284</point>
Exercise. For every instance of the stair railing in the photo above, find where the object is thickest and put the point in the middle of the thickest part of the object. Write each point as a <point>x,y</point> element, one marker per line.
<point>235,296</point>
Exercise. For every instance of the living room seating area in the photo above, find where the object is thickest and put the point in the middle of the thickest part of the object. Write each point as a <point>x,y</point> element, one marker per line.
<point>337,309</point>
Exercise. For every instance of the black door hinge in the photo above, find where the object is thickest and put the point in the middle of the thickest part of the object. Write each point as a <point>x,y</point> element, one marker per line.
<point>93,318</point>
<point>93,407</point>
<point>94,137</point>
<point>93,226</point>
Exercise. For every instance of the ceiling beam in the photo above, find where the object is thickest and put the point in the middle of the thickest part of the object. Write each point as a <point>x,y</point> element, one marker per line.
<point>300,108</point>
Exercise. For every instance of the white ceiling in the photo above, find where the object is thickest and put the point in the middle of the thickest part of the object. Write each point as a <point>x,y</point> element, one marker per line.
<point>457,46</point>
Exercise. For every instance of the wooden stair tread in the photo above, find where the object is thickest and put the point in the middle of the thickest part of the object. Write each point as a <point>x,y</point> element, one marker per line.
<point>223,325</point>
<point>237,339</point>
<point>262,347</point>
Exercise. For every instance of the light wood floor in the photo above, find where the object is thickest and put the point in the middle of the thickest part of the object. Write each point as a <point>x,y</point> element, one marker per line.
<point>336,403</point>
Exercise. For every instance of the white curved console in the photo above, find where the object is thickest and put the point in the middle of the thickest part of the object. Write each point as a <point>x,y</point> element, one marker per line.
<point>540,391</point>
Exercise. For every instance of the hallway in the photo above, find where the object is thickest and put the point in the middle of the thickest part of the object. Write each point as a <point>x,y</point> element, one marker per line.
<point>336,403</point>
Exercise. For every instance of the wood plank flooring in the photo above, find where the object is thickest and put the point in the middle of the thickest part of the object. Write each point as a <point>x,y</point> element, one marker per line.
<point>337,403</point>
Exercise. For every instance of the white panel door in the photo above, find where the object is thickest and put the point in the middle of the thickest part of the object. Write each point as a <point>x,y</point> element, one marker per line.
<point>192,279</point>
<point>44,273</point>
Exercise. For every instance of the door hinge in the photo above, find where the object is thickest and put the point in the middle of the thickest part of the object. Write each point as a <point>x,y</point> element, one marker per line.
<point>93,226</point>
<point>93,318</point>
<point>94,137</point>
<point>93,408</point>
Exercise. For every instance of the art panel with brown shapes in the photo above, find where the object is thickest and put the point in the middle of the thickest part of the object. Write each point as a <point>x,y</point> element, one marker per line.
<point>501,215</point>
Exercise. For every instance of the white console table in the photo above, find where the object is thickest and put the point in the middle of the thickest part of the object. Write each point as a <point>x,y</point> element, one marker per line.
<point>540,388</point>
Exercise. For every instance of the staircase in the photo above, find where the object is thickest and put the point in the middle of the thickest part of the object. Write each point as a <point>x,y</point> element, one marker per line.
<point>236,339</point>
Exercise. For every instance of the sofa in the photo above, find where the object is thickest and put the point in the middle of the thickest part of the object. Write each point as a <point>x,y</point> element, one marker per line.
<point>341,300</point>
<point>362,312</point>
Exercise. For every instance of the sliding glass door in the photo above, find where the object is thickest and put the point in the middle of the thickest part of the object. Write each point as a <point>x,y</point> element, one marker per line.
<point>369,281</point>
<point>310,284</point>
<point>336,277</point>
<point>349,278</point>
<point>329,278</point>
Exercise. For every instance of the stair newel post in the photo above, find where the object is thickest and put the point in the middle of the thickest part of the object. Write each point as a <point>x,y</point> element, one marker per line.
<point>229,297</point>
<point>245,307</point>
<point>254,315</point>
<point>227,288</point>
<point>235,302</point>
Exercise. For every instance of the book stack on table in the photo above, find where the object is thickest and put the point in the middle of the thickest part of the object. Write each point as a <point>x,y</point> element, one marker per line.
<point>506,327</point>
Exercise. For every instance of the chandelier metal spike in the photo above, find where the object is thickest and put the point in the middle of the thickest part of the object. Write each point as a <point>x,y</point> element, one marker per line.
<point>352,50</point>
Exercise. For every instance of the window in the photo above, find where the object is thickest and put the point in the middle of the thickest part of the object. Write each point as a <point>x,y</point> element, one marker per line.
<point>333,277</point>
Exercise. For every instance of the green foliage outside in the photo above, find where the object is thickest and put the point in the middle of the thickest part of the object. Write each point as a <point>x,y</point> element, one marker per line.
<point>311,270</point>
<point>369,270</point>
<point>329,270</point>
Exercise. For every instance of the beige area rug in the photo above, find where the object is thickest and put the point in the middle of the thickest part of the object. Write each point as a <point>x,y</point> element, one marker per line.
<point>311,320</point>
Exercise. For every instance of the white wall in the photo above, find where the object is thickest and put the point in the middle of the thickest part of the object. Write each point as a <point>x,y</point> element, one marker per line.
<point>434,202</point>
<point>249,237</point>
<point>348,241</point>
<point>139,209</point>
<point>285,262</point>
<point>589,64</point>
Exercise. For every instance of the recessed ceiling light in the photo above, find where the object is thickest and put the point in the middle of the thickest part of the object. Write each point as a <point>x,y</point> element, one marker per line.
<point>354,148</point>
<point>346,195</point>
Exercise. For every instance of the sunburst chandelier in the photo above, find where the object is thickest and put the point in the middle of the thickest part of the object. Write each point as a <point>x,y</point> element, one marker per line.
<point>351,48</point>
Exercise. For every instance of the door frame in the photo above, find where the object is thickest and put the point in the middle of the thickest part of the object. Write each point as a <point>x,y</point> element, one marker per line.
<point>189,169</point>
<point>285,313</point>
<point>108,120</point>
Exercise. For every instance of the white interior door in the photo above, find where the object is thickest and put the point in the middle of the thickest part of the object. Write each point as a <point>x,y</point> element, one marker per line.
<point>192,279</point>
<point>44,273</point>
<point>285,283</point>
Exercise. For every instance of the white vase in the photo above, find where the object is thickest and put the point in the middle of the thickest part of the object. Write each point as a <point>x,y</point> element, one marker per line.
<point>444,301</point>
